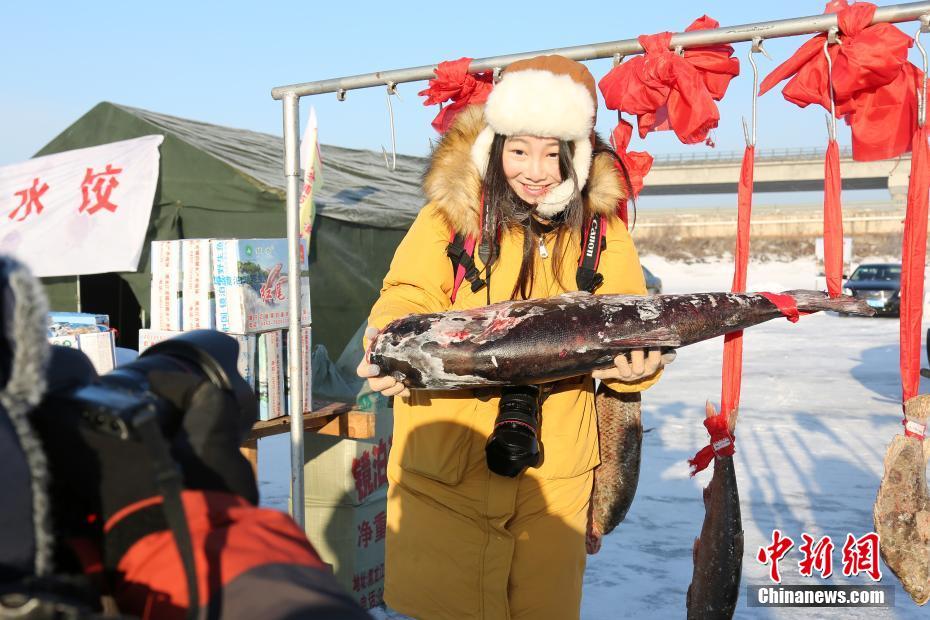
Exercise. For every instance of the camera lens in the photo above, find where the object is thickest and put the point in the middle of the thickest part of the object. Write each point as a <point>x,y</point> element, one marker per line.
<point>514,444</point>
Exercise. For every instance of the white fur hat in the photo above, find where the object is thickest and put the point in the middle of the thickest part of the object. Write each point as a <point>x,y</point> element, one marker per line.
<point>547,96</point>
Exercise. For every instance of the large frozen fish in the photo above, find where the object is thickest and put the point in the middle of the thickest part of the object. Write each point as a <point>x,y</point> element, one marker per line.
<point>537,340</point>
<point>902,508</point>
<point>620,436</point>
<point>718,552</point>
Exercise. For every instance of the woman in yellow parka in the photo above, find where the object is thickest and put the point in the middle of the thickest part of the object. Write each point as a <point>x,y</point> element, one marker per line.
<point>464,542</point>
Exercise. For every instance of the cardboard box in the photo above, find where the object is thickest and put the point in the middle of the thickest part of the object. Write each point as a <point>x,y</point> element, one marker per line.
<point>247,362</point>
<point>100,348</point>
<point>65,341</point>
<point>198,307</point>
<point>350,471</point>
<point>351,539</point>
<point>345,471</point>
<point>149,337</point>
<point>270,375</point>
<point>166,285</point>
<point>250,280</point>
<point>78,318</point>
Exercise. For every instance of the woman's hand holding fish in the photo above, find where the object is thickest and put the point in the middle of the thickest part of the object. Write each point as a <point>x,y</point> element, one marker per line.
<point>387,385</point>
<point>635,364</point>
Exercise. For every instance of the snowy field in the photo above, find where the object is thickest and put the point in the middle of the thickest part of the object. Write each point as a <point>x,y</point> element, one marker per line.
<point>820,402</point>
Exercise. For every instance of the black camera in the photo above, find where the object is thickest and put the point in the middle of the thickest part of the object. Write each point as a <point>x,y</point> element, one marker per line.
<point>113,403</point>
<point>170,421</point>
<point>514,443</point>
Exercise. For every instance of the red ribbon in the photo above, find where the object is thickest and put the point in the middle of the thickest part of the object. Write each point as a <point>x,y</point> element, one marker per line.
<point>667,91</point>
<point>785,304</point>
<point>731,381</point>
<point>913,256</point>
<point>873,82</point>
<point>636,163</point>
<point>454,82</point>
<point>721,442</point>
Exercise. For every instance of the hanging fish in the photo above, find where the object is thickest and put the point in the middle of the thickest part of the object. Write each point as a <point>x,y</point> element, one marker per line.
<point>902,508</point>
<point>537,340</point>
<point>620,436</point>
<point>718,552</point>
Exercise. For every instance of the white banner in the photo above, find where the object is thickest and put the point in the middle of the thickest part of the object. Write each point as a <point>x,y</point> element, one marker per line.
<point>82,211</point>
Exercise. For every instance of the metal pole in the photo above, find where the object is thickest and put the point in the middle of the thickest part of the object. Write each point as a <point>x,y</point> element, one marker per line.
<point>294,353</point>
<point>626,47</point>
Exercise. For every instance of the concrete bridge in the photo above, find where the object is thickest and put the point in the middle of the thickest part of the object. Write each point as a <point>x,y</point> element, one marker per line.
<point>776,170</point>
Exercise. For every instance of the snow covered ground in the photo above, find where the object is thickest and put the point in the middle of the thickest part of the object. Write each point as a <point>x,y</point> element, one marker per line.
<point>820,402</point>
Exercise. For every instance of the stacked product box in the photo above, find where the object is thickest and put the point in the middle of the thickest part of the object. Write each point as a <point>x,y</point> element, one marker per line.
<point>247,362</point>
<point>250,280</point>
<point>198,308</point>
<point>88,332</point>
<point>346,500</point>
<point>271,393</point>
<point>305,373</point>
<point>100,347</point>
<point>166,285</point>
<point>239,287</point>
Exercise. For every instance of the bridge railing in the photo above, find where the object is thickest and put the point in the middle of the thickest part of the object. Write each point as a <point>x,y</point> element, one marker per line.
<point>785,154</point>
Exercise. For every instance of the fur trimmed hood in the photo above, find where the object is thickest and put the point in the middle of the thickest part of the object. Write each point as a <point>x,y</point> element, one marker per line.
<point>453,184</point>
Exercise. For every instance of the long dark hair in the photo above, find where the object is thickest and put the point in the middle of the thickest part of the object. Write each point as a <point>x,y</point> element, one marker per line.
<point>506,210</point>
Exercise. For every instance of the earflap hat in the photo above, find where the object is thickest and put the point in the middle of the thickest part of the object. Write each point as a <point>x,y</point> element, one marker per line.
<point>546,96</point>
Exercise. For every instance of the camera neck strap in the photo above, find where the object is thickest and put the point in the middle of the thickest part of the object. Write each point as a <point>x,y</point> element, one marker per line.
<point>169,483</point>
<point>461,251</point>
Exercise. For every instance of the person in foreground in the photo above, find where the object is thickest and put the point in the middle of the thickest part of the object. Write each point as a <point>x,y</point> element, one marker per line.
<point>487,519</point>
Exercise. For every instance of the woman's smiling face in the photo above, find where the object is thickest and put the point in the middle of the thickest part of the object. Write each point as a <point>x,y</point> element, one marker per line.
<point>531,166</point>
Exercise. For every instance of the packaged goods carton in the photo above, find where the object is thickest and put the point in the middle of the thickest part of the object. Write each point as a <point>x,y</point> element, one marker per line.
<point>149,337</point>
<point>166,285</point>
<point>350,471</point>
<point>198,308</point>
<point>270,375</point>
<point>250,281</point>
<point>100,347</point>
<point>78,318</point>
<point>65,341</point>
<point>351,539</point>
<point>306,374</point>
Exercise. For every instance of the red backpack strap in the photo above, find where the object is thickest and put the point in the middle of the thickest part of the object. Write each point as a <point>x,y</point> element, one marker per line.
<point>461,251</point>
<point>593,242</point>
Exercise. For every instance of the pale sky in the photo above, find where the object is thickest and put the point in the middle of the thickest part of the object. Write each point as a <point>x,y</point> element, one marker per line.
<point>217,62</point>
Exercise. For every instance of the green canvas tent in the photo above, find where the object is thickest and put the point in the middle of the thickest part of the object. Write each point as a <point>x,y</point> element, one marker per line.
<point>229,183</point>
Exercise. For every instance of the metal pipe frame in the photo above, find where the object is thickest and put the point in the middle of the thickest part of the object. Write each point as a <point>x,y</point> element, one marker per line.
<point>625,47</point>
<point>294,353</point>
<point>290,96</point>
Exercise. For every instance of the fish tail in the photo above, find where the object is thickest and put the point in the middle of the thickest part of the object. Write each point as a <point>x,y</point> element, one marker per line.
<point>816,301</point>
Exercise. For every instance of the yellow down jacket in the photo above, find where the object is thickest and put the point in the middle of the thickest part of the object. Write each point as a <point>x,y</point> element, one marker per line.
<point>463,542</point>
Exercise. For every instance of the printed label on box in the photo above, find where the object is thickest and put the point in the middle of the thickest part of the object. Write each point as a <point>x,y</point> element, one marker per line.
<point>351,539</point>
<point>197,299</point>
<point>166,285</point>
<point>149,337</point>
<point>250,280</point>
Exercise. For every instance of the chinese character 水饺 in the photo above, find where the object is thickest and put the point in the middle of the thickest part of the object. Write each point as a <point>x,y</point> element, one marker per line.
<point>29,199</point>
<point>101,185</point>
